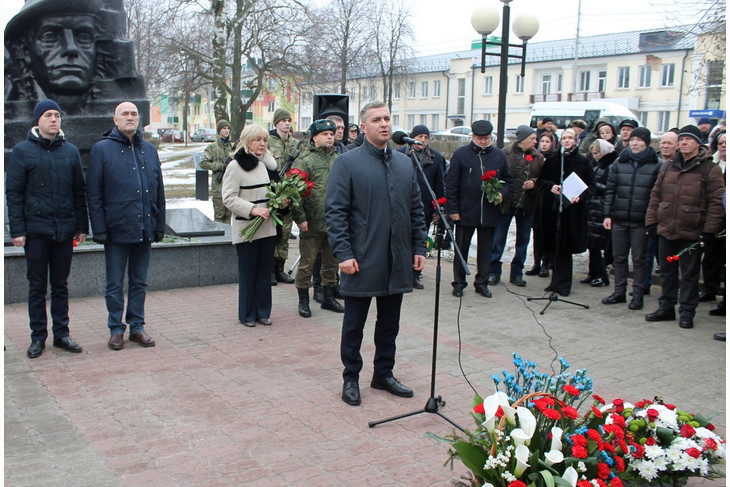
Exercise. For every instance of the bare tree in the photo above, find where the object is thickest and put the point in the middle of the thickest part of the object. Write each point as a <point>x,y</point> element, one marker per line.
<point>393,35</point>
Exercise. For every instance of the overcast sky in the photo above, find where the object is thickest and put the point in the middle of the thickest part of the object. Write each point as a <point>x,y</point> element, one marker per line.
<point>445,25</point>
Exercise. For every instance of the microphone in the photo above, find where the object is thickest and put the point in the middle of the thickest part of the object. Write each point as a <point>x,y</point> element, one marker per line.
<point>401,138</point>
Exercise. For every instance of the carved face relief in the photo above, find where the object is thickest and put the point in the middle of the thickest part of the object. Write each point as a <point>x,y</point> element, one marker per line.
<point>63,54</point>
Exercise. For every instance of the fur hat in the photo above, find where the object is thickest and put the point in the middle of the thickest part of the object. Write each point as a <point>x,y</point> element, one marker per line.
<point>42,107</point>
<point>691,131</point>
<point>578,123</point>
<point>319,126</point>
<point>482,127</point>
<point>280,114</point>
<point>643,134</point>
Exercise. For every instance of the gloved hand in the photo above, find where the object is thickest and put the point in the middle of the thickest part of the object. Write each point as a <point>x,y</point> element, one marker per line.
<point>99,238</point>
<point>159,236</point>
<point>651,230</point>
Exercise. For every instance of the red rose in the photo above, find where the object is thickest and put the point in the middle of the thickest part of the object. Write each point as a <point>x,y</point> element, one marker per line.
<point>76,244</point>
<point>570,412</point>
<point>652,414</point>
<point>487,176</point>
<point>479,408</point>
<point>693,452</point>
<point>572,390</point>
<point>603,470</point>
<point>640,404</point>
<point>528,158</point>
<point>599,398</point>
<point>517,483</point>
<point>687,431</point>
<point>551,413</point>
<point>710,444</point>
<point>579,451</point>
<point>619,405</point>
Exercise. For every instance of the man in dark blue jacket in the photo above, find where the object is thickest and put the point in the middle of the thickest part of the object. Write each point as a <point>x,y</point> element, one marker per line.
<point>127,210</point>
<point>469,208</point>
<point>46,212</point>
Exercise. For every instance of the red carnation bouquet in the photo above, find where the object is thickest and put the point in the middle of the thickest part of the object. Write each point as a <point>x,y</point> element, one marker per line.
<point>294,186</point>
<point>491,186</point>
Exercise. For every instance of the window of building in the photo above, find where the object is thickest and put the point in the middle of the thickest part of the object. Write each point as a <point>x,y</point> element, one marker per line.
<point>306,121</point>
<point>460,96</point>
<point>644,76</point>
<point>643,117</point>
<point>411,121</point>
<point>547,81</point>
<point>602,81</point>
<point>585,81</point>
<point>715,76</point>
<point>488,85</point>
<point>272,108</point>
<point>424,89</point>
<point>396,91</point>
<point>560,83</point>
<point>663,125</point>
<point>372,92</point>
<point>435,121</point>
<point>667,75</point>
<point>423,119</point>
<point>396,119</point>
<point>437,88</point>
<point>623,77</point>
<point>272,84</point>
<point>519,84</point>
<point>412,89</point>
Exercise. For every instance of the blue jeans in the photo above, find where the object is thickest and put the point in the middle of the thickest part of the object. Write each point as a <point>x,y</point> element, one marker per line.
<point>135,260</point>
<point>524,225</point>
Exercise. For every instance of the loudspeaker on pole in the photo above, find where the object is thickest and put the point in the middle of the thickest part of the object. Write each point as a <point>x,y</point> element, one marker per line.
<point>327,104</point>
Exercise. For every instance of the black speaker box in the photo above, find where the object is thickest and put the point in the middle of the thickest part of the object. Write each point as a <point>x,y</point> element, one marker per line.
<point>331,104</point>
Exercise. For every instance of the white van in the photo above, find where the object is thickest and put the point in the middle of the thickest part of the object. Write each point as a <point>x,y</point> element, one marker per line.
<point>562,113</point>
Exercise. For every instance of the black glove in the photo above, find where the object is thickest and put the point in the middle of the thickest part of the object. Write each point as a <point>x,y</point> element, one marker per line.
<point>159,236</point>
<point>99,238</point>
<point>651,230</point>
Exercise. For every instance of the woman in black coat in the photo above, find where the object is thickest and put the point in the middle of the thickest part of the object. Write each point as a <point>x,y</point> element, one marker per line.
<point>598,237</point>
<point>542,260</point>
<point>572,236</point>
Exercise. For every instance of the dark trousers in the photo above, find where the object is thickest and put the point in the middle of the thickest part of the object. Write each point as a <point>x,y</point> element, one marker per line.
<point>713,264</point>
<point>652,244</point>
<point>47,260</point>
<point>562,280</point>
<point>537,247</point>
<point>597,264</point>
<point>134,259</point>
<point>629,239</point>
<point>485,235</point>
<point>523,225</point>
<point>254,279</point>
<point>387,324</point>
<point>687,284</point>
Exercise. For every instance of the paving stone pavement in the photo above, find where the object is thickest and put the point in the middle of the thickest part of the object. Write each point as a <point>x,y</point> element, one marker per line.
<point>217,404</point>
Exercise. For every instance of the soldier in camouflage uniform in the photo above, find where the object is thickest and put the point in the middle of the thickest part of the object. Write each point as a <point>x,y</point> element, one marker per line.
<point>213,160</point>
<point>316,160</point>
<point>282,144</point>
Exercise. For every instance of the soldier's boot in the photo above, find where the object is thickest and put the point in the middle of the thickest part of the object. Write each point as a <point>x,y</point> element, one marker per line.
<point>304,310</point>
<point>329,301</point>
<point>282,276</point>
<point>318,293</point>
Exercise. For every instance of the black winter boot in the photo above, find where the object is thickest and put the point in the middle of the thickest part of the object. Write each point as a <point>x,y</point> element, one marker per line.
<point>329,301</point>
<point>282,276</point>
<point>304,310</point>
<point>318,293</point>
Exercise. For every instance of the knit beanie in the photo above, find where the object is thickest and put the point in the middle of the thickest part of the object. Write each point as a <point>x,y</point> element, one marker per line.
<point>42,107</point>
<point>280,114</point>
<point>691,131</point>
<point>523,132</point>
<point>643,134</point>
<point>419,130</point>
<point>222,123</point>
<point>319,126</point>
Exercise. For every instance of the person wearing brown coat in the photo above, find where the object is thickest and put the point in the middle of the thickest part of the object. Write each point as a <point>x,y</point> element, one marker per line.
<point>685,207</point>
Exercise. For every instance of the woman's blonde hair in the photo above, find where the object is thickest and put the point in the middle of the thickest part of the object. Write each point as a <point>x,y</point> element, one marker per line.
<point>248,134</point>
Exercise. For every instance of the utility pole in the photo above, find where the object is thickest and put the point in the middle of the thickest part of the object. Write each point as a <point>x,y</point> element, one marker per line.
<point>575,59</point>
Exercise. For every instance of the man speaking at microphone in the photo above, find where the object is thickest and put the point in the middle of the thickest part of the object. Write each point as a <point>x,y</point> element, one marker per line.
<point>376,231</point>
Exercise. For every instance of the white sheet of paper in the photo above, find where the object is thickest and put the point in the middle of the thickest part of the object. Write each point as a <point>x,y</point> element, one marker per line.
<point>573,186</point>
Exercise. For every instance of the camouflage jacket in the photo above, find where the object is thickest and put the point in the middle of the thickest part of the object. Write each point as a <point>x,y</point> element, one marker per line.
<point>214,156</point>
<point>280,148</point>
<point>316,162</point>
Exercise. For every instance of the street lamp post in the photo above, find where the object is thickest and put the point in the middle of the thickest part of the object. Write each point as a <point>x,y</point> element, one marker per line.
<point>485,19</point>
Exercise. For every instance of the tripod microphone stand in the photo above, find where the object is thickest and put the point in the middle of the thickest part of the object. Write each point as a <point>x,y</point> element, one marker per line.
<point>554,296</point>
<point>433,403</point>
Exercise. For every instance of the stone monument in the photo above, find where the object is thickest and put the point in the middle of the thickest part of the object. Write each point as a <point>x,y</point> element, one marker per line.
<point>76,53</point>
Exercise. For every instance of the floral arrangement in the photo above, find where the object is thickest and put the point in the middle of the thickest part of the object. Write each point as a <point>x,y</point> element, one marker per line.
<point>491,186</point>
<point>532,434</point>
<point>293,186</point>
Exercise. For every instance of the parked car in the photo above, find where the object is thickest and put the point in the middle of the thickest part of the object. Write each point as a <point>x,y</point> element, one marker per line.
<point>460,132</point>
<point>204,135</point>
<point>172,136</point>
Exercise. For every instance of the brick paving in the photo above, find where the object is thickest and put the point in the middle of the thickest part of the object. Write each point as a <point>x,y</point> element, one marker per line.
<point>217,404</point>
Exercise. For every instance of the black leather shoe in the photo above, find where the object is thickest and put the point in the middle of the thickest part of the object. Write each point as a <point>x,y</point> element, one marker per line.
<point>587,280</point>
<point>719,337</point>
<point>417,284</point>
<point>458,292</point>
<point>484,291</point>
<point>392,385</point>
<point>686,322</point>
<point>535,270</point>
<point>614,299</point>
<point>517,281</point>
<point>493,279</point>
<point>706,296</point>
<point>600,281</point>
<point>36,349</point>
<point>67,344</point>
<point>351,393</point>
<point>544,271</point>
<point>637,302</point>
<point>719,311</point>
<point>661,315</point>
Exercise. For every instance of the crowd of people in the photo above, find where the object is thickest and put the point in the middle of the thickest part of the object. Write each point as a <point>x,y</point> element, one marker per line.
<point>363,226</point>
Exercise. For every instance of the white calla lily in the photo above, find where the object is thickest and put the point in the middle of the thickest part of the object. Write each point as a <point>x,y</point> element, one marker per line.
<point>528,423</point>
<point>509,413</point>
<point>522,454</point>
<point>519,437</point>
<point>491,405</point>
<point>571,476</point>
<point>487,485</point>
<point>553,456</point>
<point>555,442</point>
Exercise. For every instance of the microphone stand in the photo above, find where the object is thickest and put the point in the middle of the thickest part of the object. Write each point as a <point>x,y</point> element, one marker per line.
<point>433,403</point>
<point>554,296</point>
